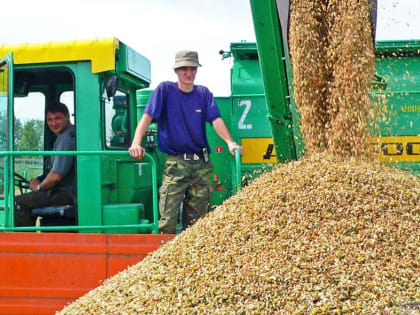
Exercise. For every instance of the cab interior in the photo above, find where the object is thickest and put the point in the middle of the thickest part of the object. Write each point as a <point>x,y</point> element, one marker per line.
<point>34,89</point>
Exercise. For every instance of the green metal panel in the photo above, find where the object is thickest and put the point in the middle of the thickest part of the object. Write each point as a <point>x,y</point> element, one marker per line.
<point>142,97</point>
<point>397,47</point>
<point>133,66</point>
<point>249,111</point>
<point>150,139</point>
<point>245,75</point>
<point>273,64</point>
<point>133,184</point>
<point>250,116</point>
<point>249,105</point>
<point>123,214</point>
<point>88,135</point>
<point>220,157</point>
<point>398,68</point>
<point>123,179</point>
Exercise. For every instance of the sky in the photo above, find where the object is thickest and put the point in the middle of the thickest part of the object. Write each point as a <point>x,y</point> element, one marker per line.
<point>159,28</point>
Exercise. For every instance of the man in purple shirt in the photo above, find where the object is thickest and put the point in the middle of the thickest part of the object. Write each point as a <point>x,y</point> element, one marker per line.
<point>182,110</point>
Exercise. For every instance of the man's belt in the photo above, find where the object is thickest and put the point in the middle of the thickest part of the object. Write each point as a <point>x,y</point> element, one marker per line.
<point>190,156</point>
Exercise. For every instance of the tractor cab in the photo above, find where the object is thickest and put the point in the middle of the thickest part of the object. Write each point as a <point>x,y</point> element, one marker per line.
<point>97,80</point>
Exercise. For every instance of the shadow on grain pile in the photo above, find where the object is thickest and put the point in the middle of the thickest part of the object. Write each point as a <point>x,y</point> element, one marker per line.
<point>316,235</point>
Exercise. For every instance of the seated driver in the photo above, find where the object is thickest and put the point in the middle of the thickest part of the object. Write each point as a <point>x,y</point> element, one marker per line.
<point>57,186</point>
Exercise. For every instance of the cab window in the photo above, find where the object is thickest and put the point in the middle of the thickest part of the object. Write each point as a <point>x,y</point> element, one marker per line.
<point>29,132</point>
<point>117,121</point>
<point>67,98</point>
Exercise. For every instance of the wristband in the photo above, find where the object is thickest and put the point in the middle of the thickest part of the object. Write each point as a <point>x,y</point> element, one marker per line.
<point>38,187</point>
<point>231,143</point>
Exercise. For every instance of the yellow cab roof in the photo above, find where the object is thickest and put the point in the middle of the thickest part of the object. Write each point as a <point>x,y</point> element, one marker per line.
<point>101,52</point>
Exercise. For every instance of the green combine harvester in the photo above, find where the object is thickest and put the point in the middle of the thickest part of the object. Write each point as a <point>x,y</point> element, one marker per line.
<point>105,84</point>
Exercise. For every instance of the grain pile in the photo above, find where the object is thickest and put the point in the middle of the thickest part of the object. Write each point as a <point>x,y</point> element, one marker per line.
<point>317,235</point>
<point>332,57</point>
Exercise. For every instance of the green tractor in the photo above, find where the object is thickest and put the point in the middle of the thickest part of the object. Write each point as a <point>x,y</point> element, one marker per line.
<point>114,221</point>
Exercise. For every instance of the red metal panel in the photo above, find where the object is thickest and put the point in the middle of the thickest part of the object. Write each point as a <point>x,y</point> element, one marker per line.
<point>30,306</point>
<point>52,242</point>
<point>126,250</point>
<point>41,272</point>
<point>135,243</point>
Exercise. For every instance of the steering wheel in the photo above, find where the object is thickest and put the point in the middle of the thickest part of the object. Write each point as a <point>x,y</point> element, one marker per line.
<point>21,182</point>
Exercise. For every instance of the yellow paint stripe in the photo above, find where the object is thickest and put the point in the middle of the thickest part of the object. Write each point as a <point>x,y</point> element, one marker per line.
<point>397,148</point>
<point>4,83</point>
<point>101,52</point>
<point>255,150</point>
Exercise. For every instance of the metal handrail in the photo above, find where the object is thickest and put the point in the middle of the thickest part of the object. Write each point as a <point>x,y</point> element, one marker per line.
<point>8,207</point>
<point>238,164</point>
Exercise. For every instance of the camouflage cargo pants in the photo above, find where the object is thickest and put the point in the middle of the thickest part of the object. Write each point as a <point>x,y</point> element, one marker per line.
<point>187,183</point>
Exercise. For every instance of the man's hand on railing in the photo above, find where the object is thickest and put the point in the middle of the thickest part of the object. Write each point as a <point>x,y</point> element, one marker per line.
<point>234,146</point>
<point>137,152</point>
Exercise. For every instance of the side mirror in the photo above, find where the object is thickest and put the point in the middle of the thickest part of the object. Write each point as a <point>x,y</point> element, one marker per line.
<point>111,86</point>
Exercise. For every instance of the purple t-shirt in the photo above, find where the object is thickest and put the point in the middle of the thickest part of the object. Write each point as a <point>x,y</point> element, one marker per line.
<point>182,117</point>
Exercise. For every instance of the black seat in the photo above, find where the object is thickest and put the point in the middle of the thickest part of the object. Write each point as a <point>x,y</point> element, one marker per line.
<point>66,211</point>
<point>56,216</point>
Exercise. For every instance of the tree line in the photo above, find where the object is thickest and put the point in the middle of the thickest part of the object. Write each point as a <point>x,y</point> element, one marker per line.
<point>29,135</point>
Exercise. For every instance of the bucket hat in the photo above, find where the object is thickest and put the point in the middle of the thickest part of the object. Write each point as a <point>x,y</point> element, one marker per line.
<point>186,58</point>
